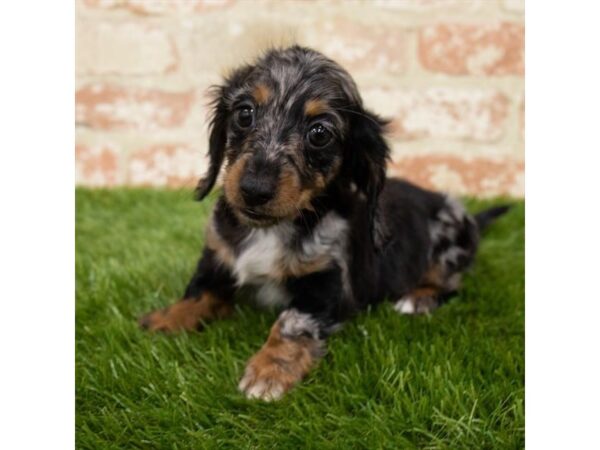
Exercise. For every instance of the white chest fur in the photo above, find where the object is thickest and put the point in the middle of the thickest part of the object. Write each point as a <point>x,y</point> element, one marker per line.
<point>270,254</point>
<point>261,256</point>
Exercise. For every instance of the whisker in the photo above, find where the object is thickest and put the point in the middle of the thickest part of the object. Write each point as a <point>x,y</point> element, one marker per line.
<point>358,114</point>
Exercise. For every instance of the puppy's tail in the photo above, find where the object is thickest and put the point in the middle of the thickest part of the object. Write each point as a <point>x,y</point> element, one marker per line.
<point>487,216</point>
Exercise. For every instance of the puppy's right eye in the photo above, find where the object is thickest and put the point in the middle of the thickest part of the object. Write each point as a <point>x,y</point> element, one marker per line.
<point>245,117</point>
<point>319,136</point>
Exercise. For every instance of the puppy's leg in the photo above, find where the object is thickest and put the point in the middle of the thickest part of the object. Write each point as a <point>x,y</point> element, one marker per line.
<point>208,296</point>
<point>297,339</point>
<point>292,349</point>
<point>424,299</point>
<point>187,314</point>
<point>454,239</point>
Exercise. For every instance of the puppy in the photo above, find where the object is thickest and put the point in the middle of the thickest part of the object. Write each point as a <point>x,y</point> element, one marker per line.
<point>308,218</point>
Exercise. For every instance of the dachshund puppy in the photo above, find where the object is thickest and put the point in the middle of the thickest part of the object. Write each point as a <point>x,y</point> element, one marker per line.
<point>308,218</point>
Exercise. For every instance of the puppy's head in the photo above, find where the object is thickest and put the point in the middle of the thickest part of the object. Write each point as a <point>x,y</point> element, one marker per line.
<point>287,127</point>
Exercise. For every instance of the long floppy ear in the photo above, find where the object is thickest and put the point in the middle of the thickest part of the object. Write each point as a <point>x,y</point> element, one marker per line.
<point>368,153</point>
<point>218,130</point>
<point>216,144</point>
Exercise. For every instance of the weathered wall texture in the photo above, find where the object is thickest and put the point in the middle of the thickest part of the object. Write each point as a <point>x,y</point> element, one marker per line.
<point>450,73</point>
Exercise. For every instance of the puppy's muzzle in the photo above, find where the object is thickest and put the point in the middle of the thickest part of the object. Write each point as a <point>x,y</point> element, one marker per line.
<point>259,182</point>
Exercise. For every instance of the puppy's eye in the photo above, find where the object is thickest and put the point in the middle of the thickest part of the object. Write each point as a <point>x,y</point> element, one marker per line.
<point>319,136</point>
<point>245,117</point>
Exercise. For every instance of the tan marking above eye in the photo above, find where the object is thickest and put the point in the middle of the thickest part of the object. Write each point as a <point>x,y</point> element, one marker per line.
<point>315,106</point>
<point>261,93</point>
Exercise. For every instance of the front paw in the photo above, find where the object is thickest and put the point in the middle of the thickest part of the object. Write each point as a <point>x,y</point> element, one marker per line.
<point>160,320</point>
<point>279,365</point>
<point>186,315</point>
<point>170,319</point>
<point>269,380</point>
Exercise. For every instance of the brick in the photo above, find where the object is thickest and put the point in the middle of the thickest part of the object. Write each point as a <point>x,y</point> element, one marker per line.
<point>225,42</point>
<point>473,176</point>
<point>465,114</point>
<point>175,6</point>
<point>107,107</point>
<point>426,5</point>
<point>522,118</point>
<point>459,49</point>
<point>128,48</point>
<point>514,5</point>
<point>103,4</point>
<point>97,165</point>
<point>160,7</point>
<point>173,165</point>
<point>358,47</point>
<point>228,40</point>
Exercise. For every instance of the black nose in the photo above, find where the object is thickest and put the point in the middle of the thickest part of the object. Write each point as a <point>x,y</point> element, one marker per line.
<point>256,191</point>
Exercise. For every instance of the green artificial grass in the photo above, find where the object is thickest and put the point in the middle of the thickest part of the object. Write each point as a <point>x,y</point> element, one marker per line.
<point>452,380</point>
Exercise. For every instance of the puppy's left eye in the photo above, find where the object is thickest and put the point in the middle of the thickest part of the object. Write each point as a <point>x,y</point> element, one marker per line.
<point>245,117</point>
<point>319,136</point>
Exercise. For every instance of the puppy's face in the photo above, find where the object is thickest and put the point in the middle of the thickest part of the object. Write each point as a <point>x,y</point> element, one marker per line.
<point>284,138</point>
<point>282,126</point>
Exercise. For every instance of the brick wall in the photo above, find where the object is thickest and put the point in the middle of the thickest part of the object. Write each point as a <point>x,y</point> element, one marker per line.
<point>450,73</point>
